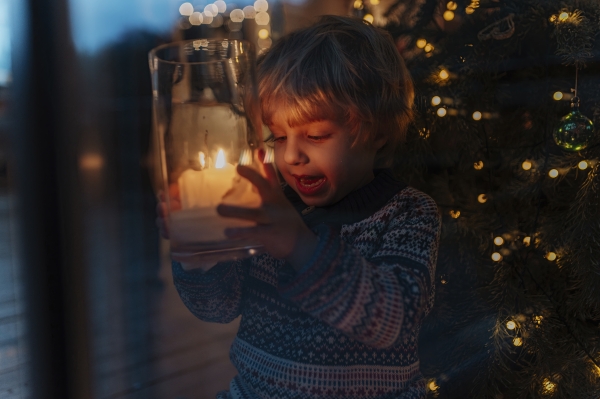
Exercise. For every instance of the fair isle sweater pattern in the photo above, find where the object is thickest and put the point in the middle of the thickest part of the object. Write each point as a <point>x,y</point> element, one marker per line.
<point>346,325</point>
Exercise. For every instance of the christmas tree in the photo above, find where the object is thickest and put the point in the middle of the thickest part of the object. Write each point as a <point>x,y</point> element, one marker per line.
<point>503,140</point>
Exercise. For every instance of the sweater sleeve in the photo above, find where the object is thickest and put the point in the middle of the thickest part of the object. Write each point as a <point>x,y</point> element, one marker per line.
<point>377,300</point>
<point>214,295</point>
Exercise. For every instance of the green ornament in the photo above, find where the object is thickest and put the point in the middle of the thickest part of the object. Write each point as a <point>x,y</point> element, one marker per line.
<point>575,130</point>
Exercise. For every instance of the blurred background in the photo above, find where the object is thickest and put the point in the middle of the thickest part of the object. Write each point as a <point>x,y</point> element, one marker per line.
<point>87,304</point>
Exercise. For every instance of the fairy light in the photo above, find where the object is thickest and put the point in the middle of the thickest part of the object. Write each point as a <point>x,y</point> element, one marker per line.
<point>448,15</point>
<point>436,100</point>
<point>477,115</point>
<point>263,33</point>
<point>428,48</point>
<point>526,165</point>
<point>421,43</point>
<point>432,386</point>
<point>454,214</point>
<point>469,10</point>
<point>186,9</point>
<point>548,386</point>
<point>583,165</point>
<point>441,112</point>
<point>563,16</point>
<point>527,241</point>
<point>451,5</point>
<point>558,95</point>
<point>482,198</point>
<point>478,165</point>
<point>517,341</point>
<point>369,18</point>
<point>496,257</point>
<point>444,74</point>
<point>538,319</point>
<point>511,325</point>
<point>551,256</point>
<point>498,240</point>
<point>553,173</point>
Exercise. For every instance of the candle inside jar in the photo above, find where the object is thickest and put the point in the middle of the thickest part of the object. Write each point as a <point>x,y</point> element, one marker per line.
<point>200,193</point>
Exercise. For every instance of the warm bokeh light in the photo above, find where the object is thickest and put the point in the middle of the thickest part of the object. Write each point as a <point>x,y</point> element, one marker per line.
<point>511,325</point>
<point>478,165</point>
<point>207,18</point>
<point>441,112</point>
<point>263,34</point>
<point>262,18</point>
<point>498,240</point>
<point>358,4</point>
<point>469,10</point>
<point>374,2</point>
<point>186,9</point>
<point>196,18</point>
<point>236,15</point>
<point>436,100</point>
<point>526,165</point>
<point>518,341</point>
<point>211,9</point>
<point>496,257</point>
<point>220,162</point>
<point>448,15</point>
<point>451,5</point>
<point>249,12</point>
<point>261,5</point>
<point>477,115</point>
<point>482,198</point>
<point>428,48</point>
<point>583,165</point>
<point>91,162</point>
<point>369,18</point>
<point>551,256</point>
<point>454,214</point>
<point>221,6</point>
<point>421,43</point>
<point>553,173</point>
<point>527,241</point>
<point>265,43</point>
<point>558,95</point>
<point>444,74</point>
<point>563,16</point>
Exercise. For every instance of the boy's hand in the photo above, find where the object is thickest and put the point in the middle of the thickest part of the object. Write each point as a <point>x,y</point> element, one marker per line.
<point>279,227</point>
<point>162,216</point>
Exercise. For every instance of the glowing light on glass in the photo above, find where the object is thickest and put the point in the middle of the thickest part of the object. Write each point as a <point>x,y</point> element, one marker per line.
<point>186,9</point>
<point>262,18</point>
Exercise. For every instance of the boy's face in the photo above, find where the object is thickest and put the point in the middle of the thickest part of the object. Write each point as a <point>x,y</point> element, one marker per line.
<point>318,161</point>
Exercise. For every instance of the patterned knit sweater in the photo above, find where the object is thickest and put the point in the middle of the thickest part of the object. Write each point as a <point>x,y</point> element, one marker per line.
<point>346,325</point>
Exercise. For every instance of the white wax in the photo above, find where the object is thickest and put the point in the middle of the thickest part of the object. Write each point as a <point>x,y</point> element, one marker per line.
<point>205,188</point>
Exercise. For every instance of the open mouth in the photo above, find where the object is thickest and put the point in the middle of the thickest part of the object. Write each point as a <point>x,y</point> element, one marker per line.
<point>308,185</point>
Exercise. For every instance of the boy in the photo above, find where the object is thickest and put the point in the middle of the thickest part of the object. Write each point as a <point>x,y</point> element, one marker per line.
<point>333,309</point>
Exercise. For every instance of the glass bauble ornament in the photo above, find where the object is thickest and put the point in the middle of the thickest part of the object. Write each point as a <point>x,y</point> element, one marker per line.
<point>575,130</point>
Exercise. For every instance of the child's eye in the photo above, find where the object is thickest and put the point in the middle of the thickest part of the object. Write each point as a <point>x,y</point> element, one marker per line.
<point>319,138</point>
<point>272,139</point>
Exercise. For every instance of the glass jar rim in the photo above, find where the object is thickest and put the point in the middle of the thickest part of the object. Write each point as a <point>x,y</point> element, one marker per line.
<point>152,55</point>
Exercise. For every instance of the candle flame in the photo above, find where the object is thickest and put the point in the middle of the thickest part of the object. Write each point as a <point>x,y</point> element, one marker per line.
<point>220,163</point>
<point>202,159</point>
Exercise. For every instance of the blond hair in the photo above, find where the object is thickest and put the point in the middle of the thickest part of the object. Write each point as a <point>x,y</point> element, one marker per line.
<point>341,69</point>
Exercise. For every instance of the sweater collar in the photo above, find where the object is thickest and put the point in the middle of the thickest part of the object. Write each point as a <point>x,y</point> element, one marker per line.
<point>354,207</point>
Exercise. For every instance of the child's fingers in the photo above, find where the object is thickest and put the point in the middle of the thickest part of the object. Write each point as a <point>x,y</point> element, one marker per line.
<point>270,174</point>
<point>262,185</point>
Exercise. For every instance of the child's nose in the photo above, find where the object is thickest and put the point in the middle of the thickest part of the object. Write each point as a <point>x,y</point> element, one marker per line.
<point>294,154</point>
